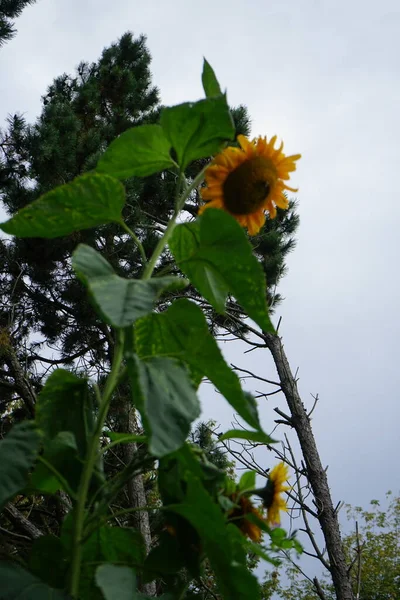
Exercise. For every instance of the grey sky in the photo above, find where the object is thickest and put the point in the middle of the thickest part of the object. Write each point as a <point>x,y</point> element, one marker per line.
<point>324,76</point>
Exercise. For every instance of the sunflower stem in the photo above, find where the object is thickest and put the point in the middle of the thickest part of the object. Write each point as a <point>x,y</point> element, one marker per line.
<point>179,203</point>
<point>90,462</point>
<point>136,240</point>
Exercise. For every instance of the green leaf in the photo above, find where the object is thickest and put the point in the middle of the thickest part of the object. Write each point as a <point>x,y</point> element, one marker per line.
<point>224,545</point>
<point>64,404</point>
<point>89,201</point>
<point>48,560</point>
<point>280,539</point>
<point>244,434</point>
<point>120,301</point>
<point>166,558</point>
<point>247,481</point>
<point>210,82</point>
<point>139,151</point>
<point>18,584</point>
<point>225,503</point>
<point>117,545</point>
<point>18,451</point>
<point>117,582</point>
<point>198,130</point>
<point>166,399</point>
<point>182,332</point>
<point>216,255</point>
<point>59,468</point>
<point>258,550</point>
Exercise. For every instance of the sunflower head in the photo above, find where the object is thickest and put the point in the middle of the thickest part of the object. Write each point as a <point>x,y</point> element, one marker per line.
<point>273,500</point>
<point>249,180</point>
<point>238,517</point>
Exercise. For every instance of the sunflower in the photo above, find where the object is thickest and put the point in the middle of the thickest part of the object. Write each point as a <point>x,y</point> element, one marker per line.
<point>238,517</point>
<point>249,180</point>
<point>273,500</point>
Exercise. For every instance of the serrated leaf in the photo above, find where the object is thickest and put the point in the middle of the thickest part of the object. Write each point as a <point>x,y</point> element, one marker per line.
<point>182,332</point>
<point>63,405</point>
<point>18,452</point>
<point>89,201</point>
<point>224,544</point>
<point>210,82</point>
<point>166,399</point>
<point>199,129</point>
<point>139,151</point>
<point>217,257</point>
<point>120,301</point>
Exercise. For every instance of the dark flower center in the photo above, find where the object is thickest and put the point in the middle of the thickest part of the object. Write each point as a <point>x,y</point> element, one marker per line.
<point>248,186</point>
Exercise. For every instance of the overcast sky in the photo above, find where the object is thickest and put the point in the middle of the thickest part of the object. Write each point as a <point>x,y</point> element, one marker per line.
<point>324,77</point>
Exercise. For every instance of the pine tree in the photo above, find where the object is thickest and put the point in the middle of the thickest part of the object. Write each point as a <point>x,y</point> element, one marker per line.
<point>10,9</point>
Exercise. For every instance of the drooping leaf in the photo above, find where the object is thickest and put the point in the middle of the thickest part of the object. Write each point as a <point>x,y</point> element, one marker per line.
<point>117,582</point>
<point>199,129</point>
<point>166,399</point>
<point>182,332</point>
<point>139,151</point>
<point>89,201</point>
<point>244,434</point>
<point>64,404</point>
<point>120,301</point>
<point>217,257</point>
<point>18,584</point>
<point>223,544</point>
<point>210,82</point>
<point>18,451</point>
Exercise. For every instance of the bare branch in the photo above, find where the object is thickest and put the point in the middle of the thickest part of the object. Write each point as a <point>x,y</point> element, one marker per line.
<point>21,522</point>
<point>255,376</point>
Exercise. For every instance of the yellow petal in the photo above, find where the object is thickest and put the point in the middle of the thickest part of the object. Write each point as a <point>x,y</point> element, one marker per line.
<point>226,158</point>
<point>216,171</point>
<point>245,144</point>
<point>210,194</point>
<point>255,222</point>
<point>278,153</point>
<point>213,204</point>
<point>289,160</point>
<point>281,201</point>
<point>272,211</point>
<point>286,187</point>
<point>241,219</point>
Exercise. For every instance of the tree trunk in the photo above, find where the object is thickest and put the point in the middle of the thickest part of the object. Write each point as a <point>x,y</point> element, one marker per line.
<point>21,382</point>
<point>137,494</point>
<point>316,473</point>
